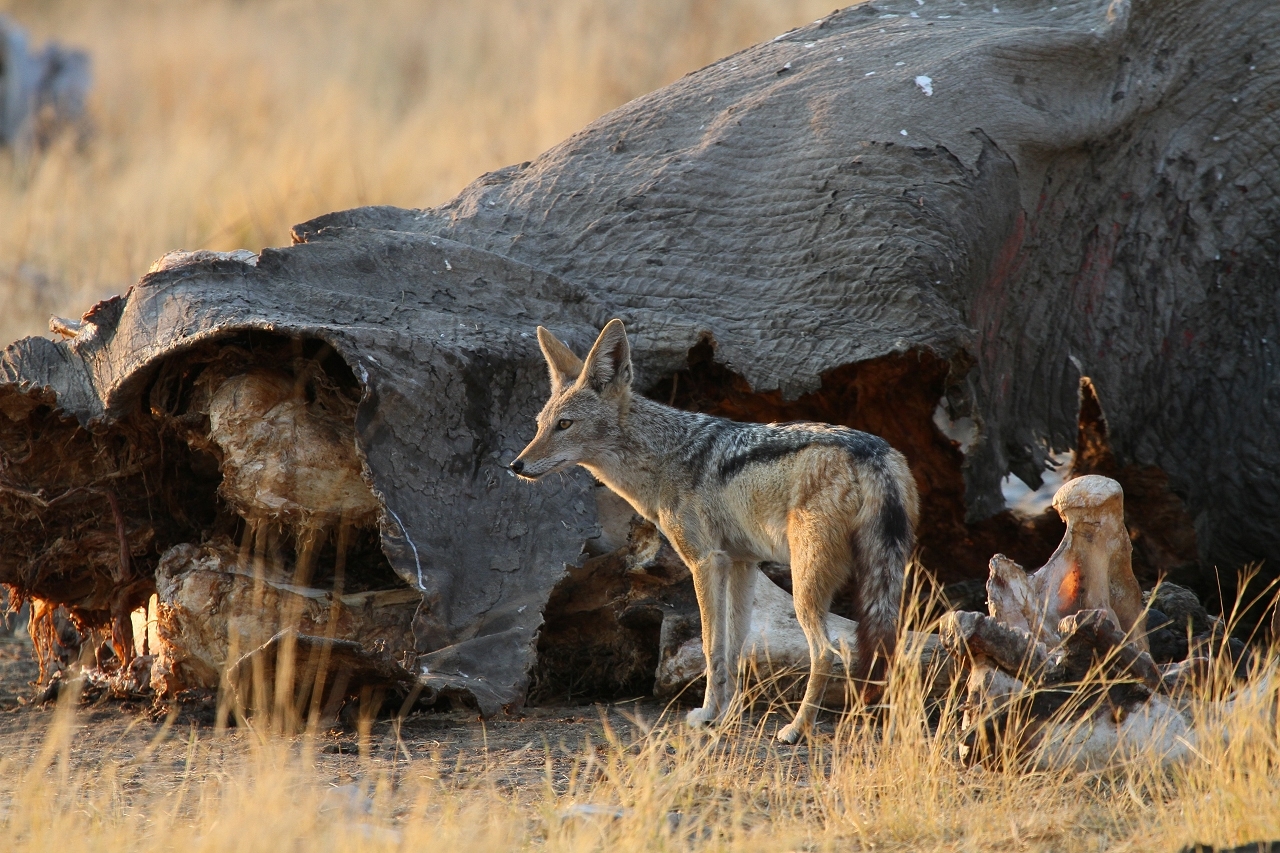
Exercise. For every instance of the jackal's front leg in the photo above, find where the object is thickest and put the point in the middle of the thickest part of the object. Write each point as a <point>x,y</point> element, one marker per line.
<point>711,582</point>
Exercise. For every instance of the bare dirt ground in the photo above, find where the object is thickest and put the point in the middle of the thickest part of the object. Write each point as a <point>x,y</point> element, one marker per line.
<point>526,754</point>
<point>111,774</point>
<point>511,750</point>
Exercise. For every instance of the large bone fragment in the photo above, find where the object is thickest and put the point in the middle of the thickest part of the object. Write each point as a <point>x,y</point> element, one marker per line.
<point>1061,711</point>
<point>1091,570</point>
<point>1109,737</point>
<point>976,636</point>
<point>1159,728</point>
<point>285,457</point>
<point>1061,664</point>
<point>775,645</point>
<point>1059,672</point>
<point>212,608</point>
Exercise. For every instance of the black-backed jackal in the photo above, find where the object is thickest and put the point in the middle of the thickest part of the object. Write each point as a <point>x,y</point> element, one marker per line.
<point>831,501</point>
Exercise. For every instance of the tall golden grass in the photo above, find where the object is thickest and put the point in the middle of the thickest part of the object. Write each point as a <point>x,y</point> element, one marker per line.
<point>891,780</point>
<point>894,785</point>
<point>221,123</point>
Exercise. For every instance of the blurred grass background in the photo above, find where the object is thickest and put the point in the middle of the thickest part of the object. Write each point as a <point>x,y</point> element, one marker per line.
<point>218,124</point>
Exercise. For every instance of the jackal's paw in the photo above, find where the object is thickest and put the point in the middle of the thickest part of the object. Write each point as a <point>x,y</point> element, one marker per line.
<point>790,733</point>
<point>700,717</point>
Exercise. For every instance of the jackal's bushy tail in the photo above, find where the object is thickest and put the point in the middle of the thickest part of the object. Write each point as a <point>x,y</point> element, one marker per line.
<point>882,546</point>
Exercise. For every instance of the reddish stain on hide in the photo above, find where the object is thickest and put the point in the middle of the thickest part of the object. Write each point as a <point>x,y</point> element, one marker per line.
<point>1099,254</point>
<point>989,305</point>
<point>1009,260</point>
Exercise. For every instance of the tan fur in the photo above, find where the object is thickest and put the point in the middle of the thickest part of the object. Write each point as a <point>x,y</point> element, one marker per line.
<point>805,497</point>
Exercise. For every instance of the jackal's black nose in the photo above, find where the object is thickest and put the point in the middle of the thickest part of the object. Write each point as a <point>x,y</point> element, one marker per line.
<point>516,466</point>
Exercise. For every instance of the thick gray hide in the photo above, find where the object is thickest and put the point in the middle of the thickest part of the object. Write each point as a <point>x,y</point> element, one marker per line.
<point>1087,190</point>
<point>436,333</point>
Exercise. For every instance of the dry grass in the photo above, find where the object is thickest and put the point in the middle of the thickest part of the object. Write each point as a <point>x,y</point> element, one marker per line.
<point>221,123</point>
<point>892,786</point>
<point>892,782</point>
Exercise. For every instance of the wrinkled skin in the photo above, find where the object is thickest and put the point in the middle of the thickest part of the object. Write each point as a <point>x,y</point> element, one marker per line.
<point>1084,192</point>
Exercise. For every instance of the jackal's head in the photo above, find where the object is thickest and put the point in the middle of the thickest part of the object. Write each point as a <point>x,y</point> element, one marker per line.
<point>581,421</point>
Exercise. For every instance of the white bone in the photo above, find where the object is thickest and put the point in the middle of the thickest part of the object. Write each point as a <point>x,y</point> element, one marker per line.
<point>775,644</point>
<point>1091,570</point>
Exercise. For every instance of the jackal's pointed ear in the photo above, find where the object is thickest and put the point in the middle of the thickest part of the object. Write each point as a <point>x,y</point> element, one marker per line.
<point>563,364</point>
<point>608,365</point>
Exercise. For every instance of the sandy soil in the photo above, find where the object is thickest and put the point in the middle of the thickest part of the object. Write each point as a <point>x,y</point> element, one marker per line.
<point>514,748</point>
<point>520,753</point>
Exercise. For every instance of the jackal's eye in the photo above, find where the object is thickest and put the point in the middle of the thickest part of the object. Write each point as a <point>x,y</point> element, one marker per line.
<point>564,423</point>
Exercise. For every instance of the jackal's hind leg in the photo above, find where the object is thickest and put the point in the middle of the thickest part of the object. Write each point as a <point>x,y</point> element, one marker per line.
<point>817,570</point>
<point>711,583</point>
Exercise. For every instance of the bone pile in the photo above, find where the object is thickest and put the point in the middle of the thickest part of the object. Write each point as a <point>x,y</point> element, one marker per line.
<point>1059,670</point>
